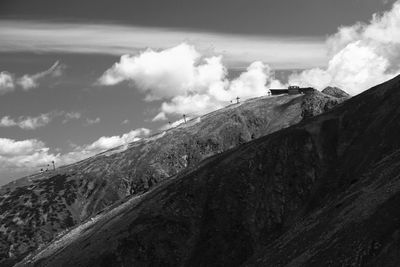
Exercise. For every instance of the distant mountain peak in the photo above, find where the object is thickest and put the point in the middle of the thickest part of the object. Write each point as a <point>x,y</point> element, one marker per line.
<point>335,92</point>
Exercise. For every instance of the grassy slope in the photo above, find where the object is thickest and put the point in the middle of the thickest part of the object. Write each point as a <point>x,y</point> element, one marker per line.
<point>36,208</point>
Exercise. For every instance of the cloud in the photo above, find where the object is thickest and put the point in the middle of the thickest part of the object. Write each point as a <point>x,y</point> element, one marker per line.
<point>237,49</point>
<point>361,55</point>
<point>35,122</point>
<point>317,78</point>
<point>102,144</point>
<point>253,82</point>
<point>160,117</point>
<point>125,122</point>
<point>27,156</point>
<point>92,121</point>
<point>108,142</point>
<point>22,157</point>
<point>11,147</point>
<point>195,104</point>
<point>71,116</point>
<point>27,123</point>
<point>160,74</point>
<point>187,82</point>
<point>6,82</point>
<point>250,83</point>
<point>32,81</point>
<point>32,123</point>
<point>6,121</point>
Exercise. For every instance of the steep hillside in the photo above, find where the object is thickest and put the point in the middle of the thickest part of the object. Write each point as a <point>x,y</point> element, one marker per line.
<point>34,209</point>
<point>324,192</point>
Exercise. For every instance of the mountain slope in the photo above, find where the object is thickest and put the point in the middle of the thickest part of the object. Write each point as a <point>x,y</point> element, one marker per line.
<point>36,208</point>
<point>324,192</point>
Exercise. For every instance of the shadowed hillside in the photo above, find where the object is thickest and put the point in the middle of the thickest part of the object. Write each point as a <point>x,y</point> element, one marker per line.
<point>324,192</point>
<point>36,208</point>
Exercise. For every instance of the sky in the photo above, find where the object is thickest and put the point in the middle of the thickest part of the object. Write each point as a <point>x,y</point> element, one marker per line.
<point>80,77</point>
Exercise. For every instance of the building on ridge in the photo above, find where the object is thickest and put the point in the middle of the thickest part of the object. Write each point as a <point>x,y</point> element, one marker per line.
<point>292,90</point>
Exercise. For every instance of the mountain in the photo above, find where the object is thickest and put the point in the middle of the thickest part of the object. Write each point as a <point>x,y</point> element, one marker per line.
<point>335,92</point>
<point>324,192</point>
<point>37,208</point>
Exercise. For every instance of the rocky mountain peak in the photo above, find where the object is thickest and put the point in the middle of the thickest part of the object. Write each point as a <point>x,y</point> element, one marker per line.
<point>335,92</point>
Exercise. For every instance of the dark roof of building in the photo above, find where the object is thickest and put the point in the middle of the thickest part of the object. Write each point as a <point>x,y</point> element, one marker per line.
<point>285,91</point>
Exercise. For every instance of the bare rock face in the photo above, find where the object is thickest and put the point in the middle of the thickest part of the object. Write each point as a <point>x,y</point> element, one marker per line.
<point>324,192</point>
<point>34,210</point>
<point>335,92</point>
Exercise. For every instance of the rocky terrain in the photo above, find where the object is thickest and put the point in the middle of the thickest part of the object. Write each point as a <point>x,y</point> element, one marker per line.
<point>323,192</point>
<point>35,209</point>
<point>335,92</point>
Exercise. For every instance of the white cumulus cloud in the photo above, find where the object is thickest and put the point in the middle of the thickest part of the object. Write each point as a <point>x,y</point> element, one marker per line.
<point>160,74</point>
<point>107,142</point>
<point>27,123</point>
<point>92,121</point>
<point>34,122</point>
<point>21,157</point>
<point>186,81</point>
<point>16,148</point>
<point>6,82</point>
<point>361,55</point>
<point>102,144</point>
<point>71,116</point>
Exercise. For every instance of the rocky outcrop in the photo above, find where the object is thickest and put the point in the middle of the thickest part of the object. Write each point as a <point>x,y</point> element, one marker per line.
<point>335,92</point>
<point>315,103</point>
<point>324,192</point>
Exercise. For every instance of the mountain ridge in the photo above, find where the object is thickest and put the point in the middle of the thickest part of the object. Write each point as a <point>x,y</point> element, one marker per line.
<point>335,92</point>
<point>75,193</point>
<point>307,195</point>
